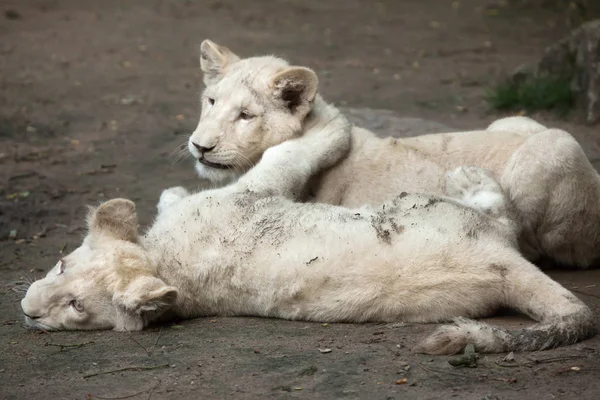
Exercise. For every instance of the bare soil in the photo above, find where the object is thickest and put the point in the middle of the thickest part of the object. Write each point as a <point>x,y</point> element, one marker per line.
<point>95,96</point>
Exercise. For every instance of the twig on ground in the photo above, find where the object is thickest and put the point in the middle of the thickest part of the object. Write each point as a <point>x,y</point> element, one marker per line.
<point>535,362</point>
<point>158,337</point>
<point>152,390</point>
<point>139,344</point>
<point>274,350</point>
<point>126,369</point>
<point>68,346</point>
<point>586,293</point>
<point>89,396</point>
<point>478,377</point>
<point>148,350</point>
<point>440,377</point>
<point>570,369</point>
<point>437,372</point>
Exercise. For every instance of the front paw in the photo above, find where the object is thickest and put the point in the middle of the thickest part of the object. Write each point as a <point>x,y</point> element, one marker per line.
<point>170,196</point>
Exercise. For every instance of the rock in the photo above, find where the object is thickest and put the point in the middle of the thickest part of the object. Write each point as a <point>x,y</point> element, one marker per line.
<point>468,359</point>
<point>522,73</point>
<point>386,123</point>
<point>576,59</point>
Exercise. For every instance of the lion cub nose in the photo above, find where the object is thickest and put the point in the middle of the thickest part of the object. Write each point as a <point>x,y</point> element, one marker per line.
<point>202,149</point>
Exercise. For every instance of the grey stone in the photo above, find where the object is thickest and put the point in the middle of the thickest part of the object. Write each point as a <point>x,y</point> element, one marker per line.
<point>386,123</point>
<point>576,58</point>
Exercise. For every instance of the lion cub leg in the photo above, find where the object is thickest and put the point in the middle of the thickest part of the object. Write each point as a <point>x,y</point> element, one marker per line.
<point>557,193</point>
<point>561,318</point>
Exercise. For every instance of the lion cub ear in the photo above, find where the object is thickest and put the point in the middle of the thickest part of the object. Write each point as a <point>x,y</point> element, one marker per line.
<point>213,61</point>
<point>297,87</point>
<point>117,218</point>
<point>146,293</point>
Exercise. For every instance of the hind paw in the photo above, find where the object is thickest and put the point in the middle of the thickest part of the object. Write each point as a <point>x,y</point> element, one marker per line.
<point>476,188</point>
<point>170,196</point>
<point>447,339</point>
<point>463,181</point>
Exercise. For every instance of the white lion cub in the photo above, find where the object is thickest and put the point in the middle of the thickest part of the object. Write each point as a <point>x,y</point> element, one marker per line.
<point>252,104</point>
<point>248,249</point>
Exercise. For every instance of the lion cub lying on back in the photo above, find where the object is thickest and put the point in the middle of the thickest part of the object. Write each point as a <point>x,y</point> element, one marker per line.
<point>247,249</point>
<point>252,104</point>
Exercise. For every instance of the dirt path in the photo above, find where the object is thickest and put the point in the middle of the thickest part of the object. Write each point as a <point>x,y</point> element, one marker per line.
<point>94,98</point>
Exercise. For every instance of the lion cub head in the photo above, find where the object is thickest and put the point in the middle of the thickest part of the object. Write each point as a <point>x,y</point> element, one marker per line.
<point>106,283</point>
<point>248,106</point>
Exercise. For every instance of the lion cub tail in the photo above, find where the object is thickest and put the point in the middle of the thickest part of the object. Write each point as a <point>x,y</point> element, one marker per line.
<point>561,317</point>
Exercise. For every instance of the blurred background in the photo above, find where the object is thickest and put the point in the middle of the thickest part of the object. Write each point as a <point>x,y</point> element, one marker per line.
<point>97,96</point>
<point>72,67</point>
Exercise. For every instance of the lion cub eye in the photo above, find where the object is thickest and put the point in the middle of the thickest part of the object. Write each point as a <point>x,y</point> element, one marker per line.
<point>210,100</point>
<point>246,116</point>
<point>77,305</point>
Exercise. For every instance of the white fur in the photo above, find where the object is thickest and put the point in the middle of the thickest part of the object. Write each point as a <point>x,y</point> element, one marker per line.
<point>516,123</point>
<point>169,197</point>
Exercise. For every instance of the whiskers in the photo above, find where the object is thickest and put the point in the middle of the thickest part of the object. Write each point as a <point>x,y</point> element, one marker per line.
<point>241,164</point>
<point>227,155</point>
<point>22,286</point>
<point>20,289</point>
<point>181,151</point>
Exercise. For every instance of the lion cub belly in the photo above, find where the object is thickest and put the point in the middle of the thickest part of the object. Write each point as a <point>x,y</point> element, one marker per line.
<point>332,256</point>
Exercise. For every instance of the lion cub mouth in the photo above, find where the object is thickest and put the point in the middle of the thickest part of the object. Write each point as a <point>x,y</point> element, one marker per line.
<point>212,164</point>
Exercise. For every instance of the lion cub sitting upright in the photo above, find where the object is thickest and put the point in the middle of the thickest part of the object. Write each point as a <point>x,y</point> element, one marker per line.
<point>252,104</point>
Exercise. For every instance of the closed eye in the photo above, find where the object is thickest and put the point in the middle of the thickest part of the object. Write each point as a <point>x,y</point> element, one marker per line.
<point>77,305</point>
<point>246,116</point>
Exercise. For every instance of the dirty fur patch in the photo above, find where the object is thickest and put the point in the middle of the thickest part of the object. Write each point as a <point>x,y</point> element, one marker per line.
<point>385,226</point>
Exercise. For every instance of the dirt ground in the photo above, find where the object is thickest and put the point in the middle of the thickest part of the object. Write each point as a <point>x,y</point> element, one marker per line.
<point>94,99</point>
